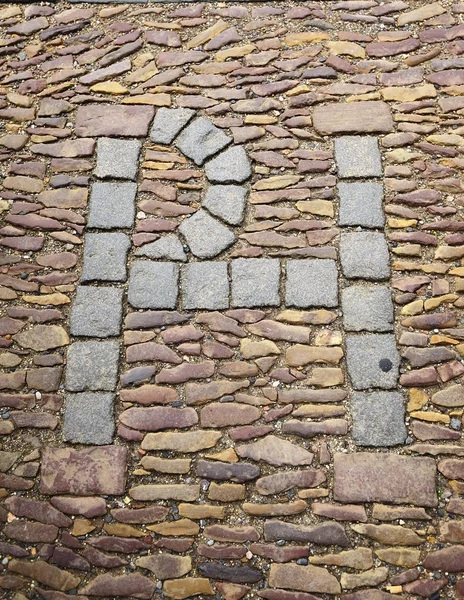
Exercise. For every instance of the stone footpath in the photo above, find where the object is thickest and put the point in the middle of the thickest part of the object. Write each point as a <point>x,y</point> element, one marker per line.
<point>231,278</point>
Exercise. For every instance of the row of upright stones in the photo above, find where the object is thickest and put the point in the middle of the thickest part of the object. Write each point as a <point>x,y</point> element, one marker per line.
<point>372,357</point>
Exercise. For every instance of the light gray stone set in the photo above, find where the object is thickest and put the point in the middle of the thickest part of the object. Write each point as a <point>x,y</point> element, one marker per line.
<point>371,353</point>
<point>96,314</point>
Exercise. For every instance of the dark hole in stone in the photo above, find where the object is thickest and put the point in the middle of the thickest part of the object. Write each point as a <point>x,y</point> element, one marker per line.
<point>385,364</point>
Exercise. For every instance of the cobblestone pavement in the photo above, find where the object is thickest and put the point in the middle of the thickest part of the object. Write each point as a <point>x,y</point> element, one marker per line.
<point>231,292</point>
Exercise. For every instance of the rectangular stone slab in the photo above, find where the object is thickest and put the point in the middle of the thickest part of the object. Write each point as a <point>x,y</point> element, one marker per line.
<point>92,471</point>
<point>113,120</point>
<point>369,477</point>
<point>357,117</point>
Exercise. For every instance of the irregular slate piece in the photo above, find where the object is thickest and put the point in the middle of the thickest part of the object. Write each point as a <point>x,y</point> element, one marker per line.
<point>117,159</point>
<point>133,584</point>
<point>97,312</point>
<point>205,285</point>
<point>112,205</point>
<point>369,477</point>
<point>113,120</point>
<point>311,283</point>
<point>255,282</point>
<point>238,472</point>
<point>354,117</point>
<point>230,166</point>
<point>452,396</point>
<point>191,441</point>
<point>158,417</point>
<point>364,255</point>
<point>25,531</point>
<point>168,122</point>
<point>361,204</point>
<point>42,337</point>
<point>305,578</point>
<point>165,566</point>
<point>226,202</point>
<point>153,284</point>
<point>275,451</point>
<point>92,471</point>
<point>358,157</point>
<point>87,507</point>
<point>178,589</point>
<point>168,247</point>
<point>205,235</point>
<point>105,257</point>
<point>368,308</point>
<point>372,361</point>
<point>326,534</point>
<point>88,419</point>
<point>448,559</point>
<point>283,481</point>
<point>201,139</point>
<point>42,572</point>
<point>378,419</point>
<point>230,573</point>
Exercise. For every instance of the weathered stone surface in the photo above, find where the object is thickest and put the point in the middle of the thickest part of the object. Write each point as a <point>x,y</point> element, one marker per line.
<point>351,118</point>
<point>448,559</point>
<point>85,506</point>
<point>245,273</point>
<point>450,397</point>
<point>358,157</point>
<point>229,573</point>
<point>361,477</point>
<point>166,566</point>
<point>195,294</point>
<point>168,122</point>
<point>44,573</point>
<point>92,365</point>
<point>201,139</point>
<point>326,534</point>
<point>283,481</point>
<point>99,470</point>
<point>144,288</point>
<point>192,441</point>
<point>378,419</point>
<point>340,512</point>
<point>275,451</point>
<point>230,166</point>
<point>376,576</point>
<point>206,236</point>
<point>25,531</point>
<point>132,584</point>
<point>218,414</point>
<point>97,312</point>
<point>311,283</point>
<point>88,418</point>
<point>372,361</point>
<point>39,511</point>
<point>452,468</point>
<point>304,578</point>
<point>401,557</point>
<point>389,534</point>
<point>360,558</point>
<point>179,491</point>
<point>117,159</point>
<point>42,337</point>
<point>105,257</point>
<point>189,586</point>
<point>361,203</point>
<point>238,472</point>
<point>226,202</point>
<point>159,417</point>
<point>112,120</point>
<point>104,212</point>
<point>364,255</point>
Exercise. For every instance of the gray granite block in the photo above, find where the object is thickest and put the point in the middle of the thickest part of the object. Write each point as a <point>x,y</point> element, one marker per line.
<point>168,122</point>
<point>230,166</point>
<point>205,285</point>
<point>206,236</point>
<point>88,418</point>
<point>378,419</point>
<point>367,308</point>
<point>358,156</point>
<point>255,282</point>
<point>201,139</point>
<point>112,205</point>
<point>92,366</point>
<point>226,202</point>
<point>97,312</point>
<point>105,256</point>
<point>361,204</point>
<point>372,361</point>
<point>168,247</point>
<point>117,159</point>
<point>311,282</point>
<point>364,255</point>
<point>153,284</point>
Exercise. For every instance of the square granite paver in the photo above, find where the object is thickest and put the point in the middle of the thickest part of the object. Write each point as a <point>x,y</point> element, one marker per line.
<point>378,419</point>
<point>88,418</point>
<point>92,366</point>
<point>118,159</point>
<point>255,282</point>
<point>201,139</point>
<point>205,285</point>
<point>372,361</point>
<point>153,284</point>
<point>311,282</point>
<point>361,204</point>
<point>358,156</point>
<point>105,257</point>
<point>112,205</point>
<point>364,255</point>
<point>367,308</point>
<point>168,122</point>
<point>97,312</point>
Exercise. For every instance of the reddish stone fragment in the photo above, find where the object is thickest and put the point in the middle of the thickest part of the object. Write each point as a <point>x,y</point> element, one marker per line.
<point>113,120</point>
<point>132,584</point>
<point>158,418</point>
<point>94,470</point>
<point>149,394</point>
